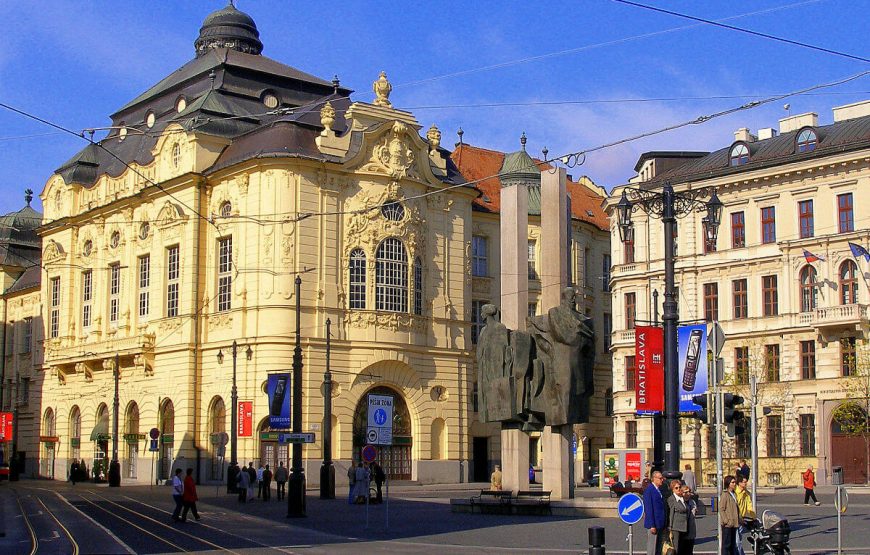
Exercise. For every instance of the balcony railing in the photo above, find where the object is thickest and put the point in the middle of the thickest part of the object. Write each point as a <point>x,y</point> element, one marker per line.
<point>841,315</point>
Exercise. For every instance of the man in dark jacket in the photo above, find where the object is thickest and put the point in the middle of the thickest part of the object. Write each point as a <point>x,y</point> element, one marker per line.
<point>379,477</point>
<point>267,483</point>
<point>654,514</point>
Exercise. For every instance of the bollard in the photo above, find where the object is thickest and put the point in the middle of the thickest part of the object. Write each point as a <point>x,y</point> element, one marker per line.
<point>596,540</point>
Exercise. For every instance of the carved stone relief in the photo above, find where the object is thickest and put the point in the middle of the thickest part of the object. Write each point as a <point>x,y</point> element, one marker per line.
<point>395,321</point>
<point>393,155</point>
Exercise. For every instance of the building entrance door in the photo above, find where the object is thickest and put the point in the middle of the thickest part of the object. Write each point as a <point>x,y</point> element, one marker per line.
<point>850,452</point>
<point>396,458</point>
<point>480,449</point>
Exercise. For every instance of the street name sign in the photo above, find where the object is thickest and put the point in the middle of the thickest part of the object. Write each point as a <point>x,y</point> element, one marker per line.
<point>303,437</point>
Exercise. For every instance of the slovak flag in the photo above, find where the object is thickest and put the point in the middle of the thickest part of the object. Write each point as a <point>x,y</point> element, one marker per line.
<point>812,257</point>
<point>858,251</point>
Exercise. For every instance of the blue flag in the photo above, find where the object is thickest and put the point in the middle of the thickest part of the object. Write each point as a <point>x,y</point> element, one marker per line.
<point>858,251</point>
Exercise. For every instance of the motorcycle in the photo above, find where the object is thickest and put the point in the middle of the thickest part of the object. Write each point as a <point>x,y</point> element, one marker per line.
<point>770,535</point>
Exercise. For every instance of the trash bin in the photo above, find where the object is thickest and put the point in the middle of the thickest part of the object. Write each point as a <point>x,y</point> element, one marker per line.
<point>837,476</point>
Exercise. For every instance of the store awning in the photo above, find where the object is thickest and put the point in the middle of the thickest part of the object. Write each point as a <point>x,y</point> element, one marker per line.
<point>101,430</point>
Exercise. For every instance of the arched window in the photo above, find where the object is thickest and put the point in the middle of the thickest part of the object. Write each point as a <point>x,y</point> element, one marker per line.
<point>75,432</point>
<point>808,288</point>
<point>807,140</point>
<point>217,416</point>
<point>131,421</point>
<point>226,209</point>
<point>739,155</point>
<point>418,286</point>
<point>391,276</point>
<point>357,279</point>
<point>848,283</point>
<point>48,428</point>
<point>166,424</point>
<point>176,155</point>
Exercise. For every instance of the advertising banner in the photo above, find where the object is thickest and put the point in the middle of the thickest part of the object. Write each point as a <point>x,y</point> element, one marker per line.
<point>649,361</point>
<point>277,386</point>
<point>692,360</point>
<point>6,419</point>
<point>245,419</point>
<point>610,468</point>
<point>633,467</point>
<point>621,465</point>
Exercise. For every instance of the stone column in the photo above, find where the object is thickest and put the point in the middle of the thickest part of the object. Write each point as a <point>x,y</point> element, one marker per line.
<point>514,232</point>
<point>558,459</point>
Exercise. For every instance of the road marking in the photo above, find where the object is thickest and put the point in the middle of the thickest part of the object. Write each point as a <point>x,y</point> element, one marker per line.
<point>103,528</point>
<point>33,538</point>
<point>155,536</point>
<point>72,541</point>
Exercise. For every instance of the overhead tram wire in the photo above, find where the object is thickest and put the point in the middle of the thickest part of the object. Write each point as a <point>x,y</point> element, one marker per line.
<point>747,31</point>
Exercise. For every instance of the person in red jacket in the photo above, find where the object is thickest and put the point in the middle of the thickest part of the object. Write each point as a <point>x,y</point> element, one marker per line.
<point>189,496</point>
<point>809,485</point>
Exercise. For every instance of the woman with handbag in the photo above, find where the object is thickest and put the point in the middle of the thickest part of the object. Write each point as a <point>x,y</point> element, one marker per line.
<point>687,540</point>
<point>678,521</point>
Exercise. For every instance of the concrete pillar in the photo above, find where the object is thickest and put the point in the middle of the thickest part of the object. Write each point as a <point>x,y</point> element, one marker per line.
<point>514,458</point>
<point>558,459</point>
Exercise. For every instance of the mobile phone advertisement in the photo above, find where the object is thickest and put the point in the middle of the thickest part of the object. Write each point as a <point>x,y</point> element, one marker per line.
<point>692,351</point>
<point>278,389</point>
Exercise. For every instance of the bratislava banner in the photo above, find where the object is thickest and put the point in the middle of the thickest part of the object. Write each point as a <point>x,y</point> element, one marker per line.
<point>650,372</point>
<point>692,349</point>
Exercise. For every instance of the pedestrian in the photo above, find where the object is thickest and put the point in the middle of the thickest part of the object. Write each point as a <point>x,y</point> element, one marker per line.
<point>260,482</point>
<point>252,474</point>
<point>495,479</point>
<point>678,519</point>
<point>177,494</point>
<point>74,472</point>
<point>745,508</point>
<point>731,519</point>
<point>687,540</point>
<point>243,484</point>
<point>267,483</point>
<point>379,477</point>
<point>189,496</point>
<point>281,479</point>
<point>744,469</point>
<point>654,514</point>
<point>689,478</point>
<point>351,479</point>
<point>361,483</point>
<point>809,486</point>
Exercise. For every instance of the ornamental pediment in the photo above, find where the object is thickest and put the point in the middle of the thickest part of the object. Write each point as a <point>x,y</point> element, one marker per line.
<point>53,252</point>
<point>395,150</point>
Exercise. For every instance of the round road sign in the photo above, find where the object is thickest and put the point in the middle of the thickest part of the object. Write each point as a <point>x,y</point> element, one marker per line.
<point>154,433</point>
<point>369,453</point>
<point>630,508</point>
<point>372,435</point>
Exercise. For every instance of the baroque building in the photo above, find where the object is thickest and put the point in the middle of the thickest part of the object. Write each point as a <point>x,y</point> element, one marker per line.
<point>169,254</point>
<point>782,280</point>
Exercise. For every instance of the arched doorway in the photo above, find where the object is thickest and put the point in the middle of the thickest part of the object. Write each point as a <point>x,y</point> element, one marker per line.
<point>100,437</point>
<point>46,461</point>
<point>75,434</point>
<point>396,458</point>
<point>167,437</point>
<point>131,439</point>
<point>847,442</point>
<point>217,426</point>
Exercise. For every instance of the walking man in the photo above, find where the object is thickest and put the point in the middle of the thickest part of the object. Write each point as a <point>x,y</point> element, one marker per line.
<point>267,483</point>
<point>189,497</point>
<point>654,514</point>
<point>260,482</point>
<point>379,477</point>
<point>74,472</point>
<point>689,478</point>
<point>745,508</point>
<point>281,479</point>
<point>731,519</point>
<point>809,486</point>
<point>177,494</point>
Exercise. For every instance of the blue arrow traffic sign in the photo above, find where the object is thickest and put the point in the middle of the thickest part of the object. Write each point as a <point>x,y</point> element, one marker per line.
<point>630,508</point>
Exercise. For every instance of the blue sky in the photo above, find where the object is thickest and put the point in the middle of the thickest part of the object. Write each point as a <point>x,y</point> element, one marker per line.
<point>76,62</point>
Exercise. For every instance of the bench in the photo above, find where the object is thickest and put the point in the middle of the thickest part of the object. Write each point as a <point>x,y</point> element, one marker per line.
<point>534,501</point>
<point>492,501</point>
<point>619,491</point>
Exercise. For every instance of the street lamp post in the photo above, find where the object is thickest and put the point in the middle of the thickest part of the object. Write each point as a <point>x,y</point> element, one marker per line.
<point>115,466</point>
<point>233,470</point>
<point>296,483</point>
<point>668,206</point>
<point>327,470</point>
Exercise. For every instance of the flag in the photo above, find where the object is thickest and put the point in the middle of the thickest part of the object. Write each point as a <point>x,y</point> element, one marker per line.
<point>811,257</point>
<point>858,251</point>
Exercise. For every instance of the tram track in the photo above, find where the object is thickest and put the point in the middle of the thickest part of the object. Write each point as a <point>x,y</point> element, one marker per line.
<point>48,545</point>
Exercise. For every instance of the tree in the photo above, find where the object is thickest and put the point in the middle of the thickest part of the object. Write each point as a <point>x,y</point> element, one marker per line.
<point>853,414</point>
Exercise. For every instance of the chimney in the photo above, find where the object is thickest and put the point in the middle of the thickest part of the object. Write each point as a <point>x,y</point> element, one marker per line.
<point>766,133</point>
<point>743,134</point>
<point>852,111</point>
<point>796,122</point>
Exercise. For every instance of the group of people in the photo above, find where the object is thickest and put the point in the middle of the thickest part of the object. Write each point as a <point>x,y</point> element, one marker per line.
<point>360,477</point>
<point>261,478</point>
<point>184,495</point>
<point>669,515</point>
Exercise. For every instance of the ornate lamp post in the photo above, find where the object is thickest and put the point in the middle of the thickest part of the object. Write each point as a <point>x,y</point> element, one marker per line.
<point>115,466</point>
<point>296,483</point>
<point>668,205</point>
<point>327,470</point>
<point>233,469</point>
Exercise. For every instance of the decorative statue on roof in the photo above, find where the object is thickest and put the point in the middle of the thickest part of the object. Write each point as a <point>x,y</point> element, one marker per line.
<point>382,89</point>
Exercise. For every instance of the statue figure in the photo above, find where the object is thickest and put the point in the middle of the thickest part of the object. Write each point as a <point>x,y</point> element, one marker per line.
<point>495,394</point>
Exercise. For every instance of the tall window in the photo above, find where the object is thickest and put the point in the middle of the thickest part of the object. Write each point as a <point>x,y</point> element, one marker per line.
<point>631,434</point>
<point>605,273</point>
<point>630,373</point>
<point>845,217</point>
<point>774,436</point>
<point>225,276</point>
<point>808,435</point>
<point>628,249</point>
<point>805,216</point>
<point>743,442</point>
<point>533,271</point>
<point>711,302</point>
<point>173,279</point>
<point>768,225</point>
<point>770,297</point>
<point>848,360</point>
<point>587,268</point>
<point>741,365</point>
<point>391,276</point>
<point>476,320</point>
<point>54,319</point>
<point>418,286</point>
<point>87,297</point>
<point>144,285</point>
<point>771,362</point>
<point>479,262</point>
<point>738,230</point>
<point>608,330</point>
<point>848,282</point>
<point>741,302</point>
<point>114,292</point>
<point>357,279</point>
<point>27,340</point>
<point>808,360</point>
<point>630,310</point>
<point>608,402</point>
<point>808,289</point>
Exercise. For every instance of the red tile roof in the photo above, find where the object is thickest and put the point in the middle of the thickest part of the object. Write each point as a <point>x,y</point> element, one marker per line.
<point>475,163</point>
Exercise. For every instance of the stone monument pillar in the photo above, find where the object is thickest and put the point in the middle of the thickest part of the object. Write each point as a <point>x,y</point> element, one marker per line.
<point>558,459</point>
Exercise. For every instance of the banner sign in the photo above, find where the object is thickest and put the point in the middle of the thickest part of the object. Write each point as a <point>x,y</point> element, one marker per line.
<point>6,419</point>
<point>277,386</point>
<point>380,421</point>
<point>649,362</point>
<point>245,419</point>
<point>633,467</point>
<point>692,360</point>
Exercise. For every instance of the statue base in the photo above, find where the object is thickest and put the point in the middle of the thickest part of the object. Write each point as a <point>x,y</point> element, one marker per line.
<point>558,461</point>
<point>514,458</point>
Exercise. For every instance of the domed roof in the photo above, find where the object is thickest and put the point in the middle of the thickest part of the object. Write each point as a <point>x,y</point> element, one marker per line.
<point>228,28</point>
<point>20,227</point>
<point>519,165</point>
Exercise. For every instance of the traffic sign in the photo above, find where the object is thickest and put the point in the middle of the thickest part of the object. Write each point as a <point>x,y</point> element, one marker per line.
<point>630,508</point>
<point>154,433</point>
<point>380,420</point>
<point>153,447</point>
<point>716,337</point>
<point>369,453</point>
<point>303,437</point>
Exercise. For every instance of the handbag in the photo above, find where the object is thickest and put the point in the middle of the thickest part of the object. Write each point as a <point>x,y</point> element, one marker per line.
<point>668,545</point>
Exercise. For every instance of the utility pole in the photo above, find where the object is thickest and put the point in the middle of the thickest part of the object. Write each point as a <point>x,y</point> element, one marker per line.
<point>753,402</point>
<point>719,418</point>
<point>657,419</point>
<point>296,484</point>
<point>115,466</point>
<point>233,470</point>
<point>327,470</point>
